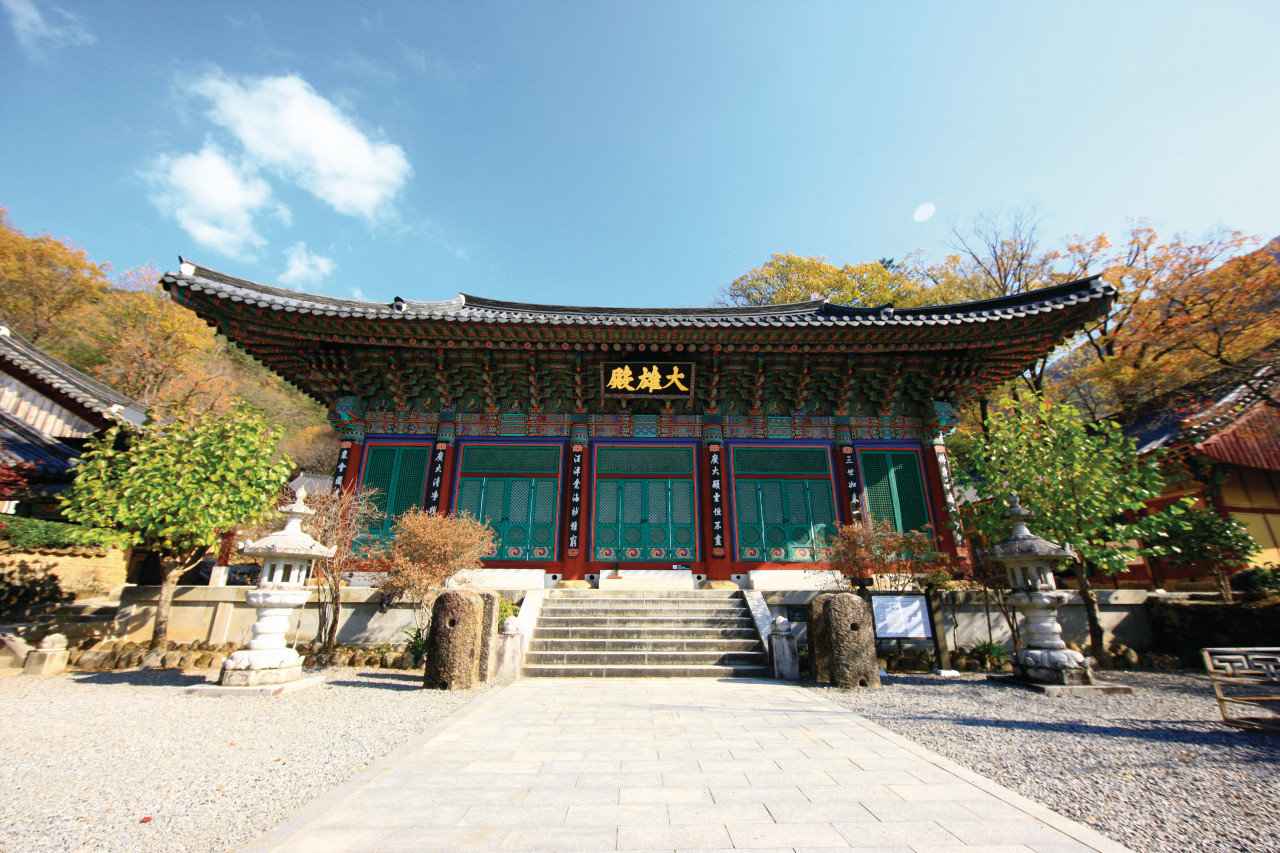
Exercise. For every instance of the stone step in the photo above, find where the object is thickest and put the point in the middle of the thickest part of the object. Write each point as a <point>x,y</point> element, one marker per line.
<point>701,594</point>
<point>673,671</point>
<point>648,644</point>
<point>643,624</point>
<point>643,611</point>
<point>647,658</point>
<point>539,632</point>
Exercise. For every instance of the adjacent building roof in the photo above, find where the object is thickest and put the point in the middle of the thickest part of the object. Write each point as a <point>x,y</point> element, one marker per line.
<point>23,444</point>
<point>1223,415</point>
<point>90,399</point>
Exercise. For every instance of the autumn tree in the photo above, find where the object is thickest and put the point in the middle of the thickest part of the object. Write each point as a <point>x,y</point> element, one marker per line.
<point>1184,309</point>
<point>790,278</point>
<point>428,550</point>
<point>1084,481</point>
<point>157,352</point>
<point>42,281</point>
<point>172,488</point>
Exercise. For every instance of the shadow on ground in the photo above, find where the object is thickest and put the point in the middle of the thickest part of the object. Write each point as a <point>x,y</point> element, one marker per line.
<point>143,677</point>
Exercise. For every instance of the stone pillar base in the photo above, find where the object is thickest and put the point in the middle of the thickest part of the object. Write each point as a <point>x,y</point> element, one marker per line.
<point>46,662</point>
<point>258,677</point>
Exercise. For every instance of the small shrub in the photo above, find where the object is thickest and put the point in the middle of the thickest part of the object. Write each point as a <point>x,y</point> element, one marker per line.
<point>418,641</point>
<point>506,608</point>
<point>33,534</point>
<point>1258,579</point>
<point>991,654</point>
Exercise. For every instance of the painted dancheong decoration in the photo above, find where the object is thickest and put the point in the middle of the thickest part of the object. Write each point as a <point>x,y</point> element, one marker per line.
<point>809,413</point>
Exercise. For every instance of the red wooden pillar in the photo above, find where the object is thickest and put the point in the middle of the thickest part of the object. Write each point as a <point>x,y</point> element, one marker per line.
<point>446,475</point>
<point>576,491</point>
<point>349,458</point>
<point>714,510</point>
<point>940,503</point>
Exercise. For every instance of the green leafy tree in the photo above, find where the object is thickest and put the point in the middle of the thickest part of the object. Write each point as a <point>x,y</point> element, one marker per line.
<point>1201,536</point>
<point>791,278</point>
<point>172,488</point>
<point>1084,480</point>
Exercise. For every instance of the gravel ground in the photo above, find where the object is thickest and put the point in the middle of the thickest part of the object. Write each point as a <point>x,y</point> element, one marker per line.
<point>1156,770</point>
<point>88,757</point>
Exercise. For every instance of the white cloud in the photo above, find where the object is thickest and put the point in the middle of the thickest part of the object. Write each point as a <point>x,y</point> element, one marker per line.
<point>924,212</point>
<point>285,126</point>
<point>37,34</point>
<point>213,199</point>
<point>304,267</point>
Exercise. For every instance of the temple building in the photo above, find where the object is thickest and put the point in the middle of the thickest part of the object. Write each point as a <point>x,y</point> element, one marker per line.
<point>48,410</point>
<point>725,443</point>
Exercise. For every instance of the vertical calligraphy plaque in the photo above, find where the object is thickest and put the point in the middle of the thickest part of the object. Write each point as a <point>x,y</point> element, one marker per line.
<point>577,451</point>
<point>717,501</point>
<point>343,455</point>
<point>851,481</point>
<point>434,479</point>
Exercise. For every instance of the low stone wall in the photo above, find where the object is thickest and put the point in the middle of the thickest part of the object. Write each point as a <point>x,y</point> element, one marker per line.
<point>219,614</point>
<point>1183,628</point>
<point>81,572</point>
<point>967,621</point>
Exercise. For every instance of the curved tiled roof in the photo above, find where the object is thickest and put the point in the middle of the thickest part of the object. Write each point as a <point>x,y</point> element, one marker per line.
<point>475,309</point>
<point>33,364</point>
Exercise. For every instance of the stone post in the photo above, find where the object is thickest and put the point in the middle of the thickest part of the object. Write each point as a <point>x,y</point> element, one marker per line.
<point>488,633</point>
<point>453,651</point>
<point>782,649</point>
<point>49,658</point>
<point>852,641</point>
<point>819,644</point>
<point>511,648</point>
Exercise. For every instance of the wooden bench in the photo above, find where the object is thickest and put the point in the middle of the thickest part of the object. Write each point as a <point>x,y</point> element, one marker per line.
<point>1246,681</point>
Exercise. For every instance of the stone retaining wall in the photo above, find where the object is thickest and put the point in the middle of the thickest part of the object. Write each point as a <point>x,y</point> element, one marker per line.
<point>219,614</point>
<point>79,571</point>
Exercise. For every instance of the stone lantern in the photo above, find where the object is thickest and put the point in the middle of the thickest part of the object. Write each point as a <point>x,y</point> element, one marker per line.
<point>287,556</point>
<point>1029,561</point>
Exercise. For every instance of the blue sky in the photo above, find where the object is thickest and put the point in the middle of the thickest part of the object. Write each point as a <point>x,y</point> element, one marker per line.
<point>619,153</point>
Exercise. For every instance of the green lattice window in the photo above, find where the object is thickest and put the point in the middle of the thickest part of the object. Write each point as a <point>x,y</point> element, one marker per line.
<point>649,515</point>
<point>521,509</point>
<point>399,475</point>
<point>894,488</point>
<point>788,517</point>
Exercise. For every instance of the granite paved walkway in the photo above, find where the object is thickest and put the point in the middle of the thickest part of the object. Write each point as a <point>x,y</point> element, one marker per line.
<point>669,764</point>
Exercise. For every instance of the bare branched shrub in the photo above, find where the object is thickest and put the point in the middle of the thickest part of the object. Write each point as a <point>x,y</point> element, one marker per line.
<point>341,519</point>
<point>875,550</point>
<point>427,550</point>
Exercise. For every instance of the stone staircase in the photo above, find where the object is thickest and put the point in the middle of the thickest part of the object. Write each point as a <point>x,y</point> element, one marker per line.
<point>589,633</point>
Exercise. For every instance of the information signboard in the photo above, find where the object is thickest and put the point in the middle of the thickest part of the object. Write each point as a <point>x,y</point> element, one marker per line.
<point>902,616</point>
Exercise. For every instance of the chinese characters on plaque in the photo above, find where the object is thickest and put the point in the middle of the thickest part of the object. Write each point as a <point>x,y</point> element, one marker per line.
<point>647,379</point>
<point>851,480</point>
<point>343,455</point>
<point>434,478</point>
<point>717,502</point>
<point>575,498</point>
